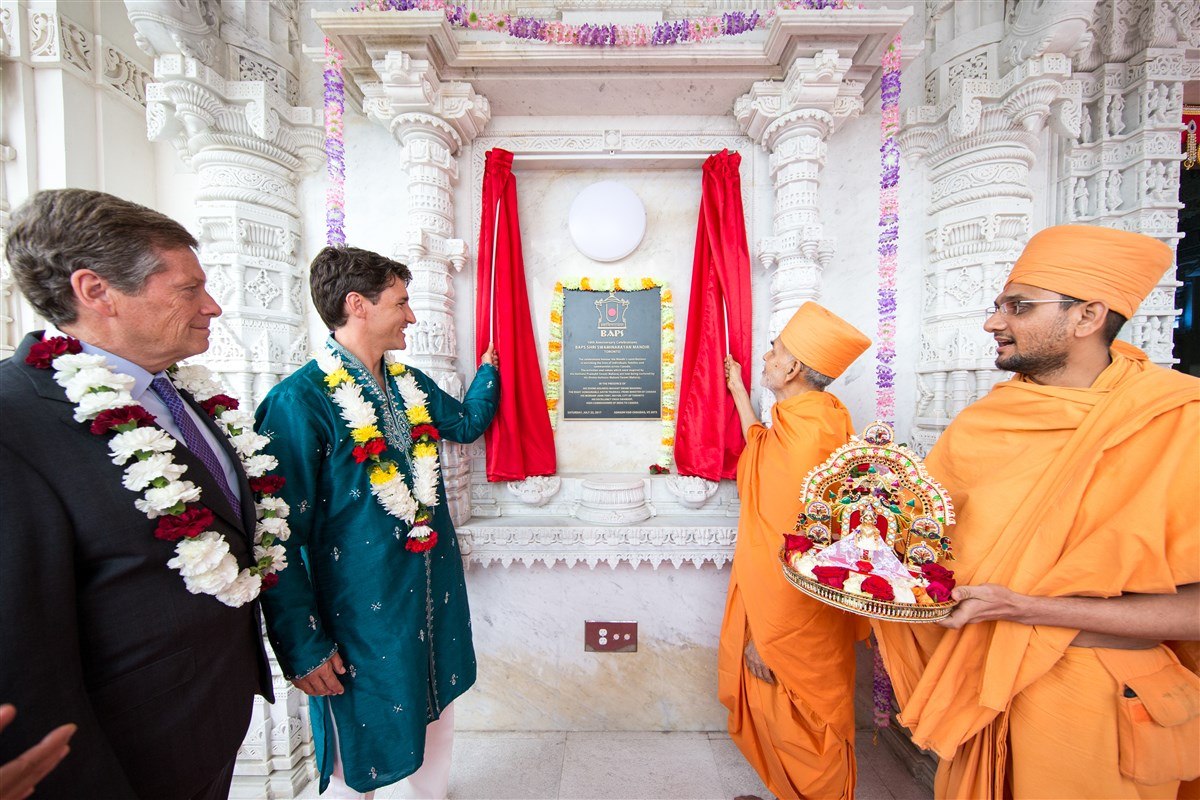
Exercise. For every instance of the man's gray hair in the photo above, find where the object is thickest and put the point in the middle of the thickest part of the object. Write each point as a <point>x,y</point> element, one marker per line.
<point>818,380</point>
<point>60,231</point>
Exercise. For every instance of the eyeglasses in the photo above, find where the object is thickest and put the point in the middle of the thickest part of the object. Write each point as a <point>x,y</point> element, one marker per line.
<point>1015,308</point>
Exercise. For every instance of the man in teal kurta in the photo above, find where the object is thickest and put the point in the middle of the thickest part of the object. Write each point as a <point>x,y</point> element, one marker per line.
<point>375,627</point>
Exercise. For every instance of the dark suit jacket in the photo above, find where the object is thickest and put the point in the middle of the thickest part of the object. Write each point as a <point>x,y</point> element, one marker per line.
<point>95,628</point>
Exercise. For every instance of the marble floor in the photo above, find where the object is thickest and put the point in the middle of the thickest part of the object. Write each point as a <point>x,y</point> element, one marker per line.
<point>632,766</point>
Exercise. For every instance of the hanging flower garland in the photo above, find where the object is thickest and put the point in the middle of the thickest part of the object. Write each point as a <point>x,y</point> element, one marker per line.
<point>730,23</point>
<point>889,232</point>
<point>885,335</point>
<point>387,483</point>
<point>668,395</point>
<point>101,397</point>
<point>335,148</point>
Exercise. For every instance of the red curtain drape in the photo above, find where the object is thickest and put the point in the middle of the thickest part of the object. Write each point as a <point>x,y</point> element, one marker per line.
<point>520,442</point>
<point>708,438</point>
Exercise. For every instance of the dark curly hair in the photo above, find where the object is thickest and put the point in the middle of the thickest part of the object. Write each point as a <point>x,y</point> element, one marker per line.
<point>337,271</point>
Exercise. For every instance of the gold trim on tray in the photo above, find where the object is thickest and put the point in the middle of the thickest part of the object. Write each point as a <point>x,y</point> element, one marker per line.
<point>868,606</point>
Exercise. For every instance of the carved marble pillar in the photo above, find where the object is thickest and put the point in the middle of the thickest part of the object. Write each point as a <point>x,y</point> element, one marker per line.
<point>1123,169</point>
<point>249,149</point>
<point>431,121</point>
<point>980,143</point>
<point>792,120</point>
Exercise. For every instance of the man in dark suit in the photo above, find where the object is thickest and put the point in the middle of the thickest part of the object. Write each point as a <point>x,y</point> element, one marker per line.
<point>97,629</point>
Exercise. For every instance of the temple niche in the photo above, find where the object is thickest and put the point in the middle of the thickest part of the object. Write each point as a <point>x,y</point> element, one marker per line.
<point>1015,115</point>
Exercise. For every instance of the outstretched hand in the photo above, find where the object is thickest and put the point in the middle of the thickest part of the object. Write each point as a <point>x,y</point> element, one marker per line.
<point>988,601</point>
<point>323,680</point>
<point>490,357</point>
<point>19,777</point>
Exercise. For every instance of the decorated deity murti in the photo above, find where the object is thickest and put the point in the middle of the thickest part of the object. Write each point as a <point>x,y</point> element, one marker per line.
<point>872,534</point>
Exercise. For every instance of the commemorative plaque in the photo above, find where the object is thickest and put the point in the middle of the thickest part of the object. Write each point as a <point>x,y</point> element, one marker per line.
<point>612,354</point>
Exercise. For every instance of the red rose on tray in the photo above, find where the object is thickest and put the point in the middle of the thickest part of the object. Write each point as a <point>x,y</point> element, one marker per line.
<point>42,354</point>
<point>865,567</point>
<point>878,587</point>
<point>938,591</point>
<point>936,572</point>
<point>191,523</point>
<point>796,543</point>
<point>832,576</point>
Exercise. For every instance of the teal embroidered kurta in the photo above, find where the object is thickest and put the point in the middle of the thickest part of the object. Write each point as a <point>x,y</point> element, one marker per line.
<point>399,619</point>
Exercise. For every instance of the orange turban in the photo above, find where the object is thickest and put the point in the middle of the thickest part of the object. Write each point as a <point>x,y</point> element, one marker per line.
<point>1088,262</point>
<point>823,340</point>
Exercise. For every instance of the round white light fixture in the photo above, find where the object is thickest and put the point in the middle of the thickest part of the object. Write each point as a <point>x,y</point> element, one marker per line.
<point>607,221</point>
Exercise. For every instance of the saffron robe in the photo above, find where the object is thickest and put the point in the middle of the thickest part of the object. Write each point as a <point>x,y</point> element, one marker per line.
<point>1058,492</point>
<point>798,733</point>
<point>399,619</point>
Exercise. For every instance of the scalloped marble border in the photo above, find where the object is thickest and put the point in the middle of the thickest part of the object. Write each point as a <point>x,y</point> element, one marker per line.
<point>488,543</point>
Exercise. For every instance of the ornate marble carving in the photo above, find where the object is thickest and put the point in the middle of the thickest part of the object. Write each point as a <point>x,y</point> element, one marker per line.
<point>488,543</point>
<point>1128,175</point>
<point>125,75</point>
<point>979,141</point>
<point>190,28</point>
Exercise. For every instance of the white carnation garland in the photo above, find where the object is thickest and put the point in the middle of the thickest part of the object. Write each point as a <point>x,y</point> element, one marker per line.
<point>202,557</point>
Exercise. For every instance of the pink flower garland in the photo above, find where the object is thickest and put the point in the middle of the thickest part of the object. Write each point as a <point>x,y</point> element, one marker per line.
<point>335,148</point>
<point>885,335</point>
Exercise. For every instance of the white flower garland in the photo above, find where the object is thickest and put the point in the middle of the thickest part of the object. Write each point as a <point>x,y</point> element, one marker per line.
<point>202,558</point>
<point>415,507</point>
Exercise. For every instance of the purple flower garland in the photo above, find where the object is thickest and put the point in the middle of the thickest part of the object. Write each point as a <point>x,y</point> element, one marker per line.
<point>335,148</point>
<point>731,23</point>
<point>885,335</point>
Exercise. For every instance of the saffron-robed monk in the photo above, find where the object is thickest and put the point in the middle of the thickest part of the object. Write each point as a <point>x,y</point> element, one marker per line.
<point>786,661</point>
<point>1059,674</point>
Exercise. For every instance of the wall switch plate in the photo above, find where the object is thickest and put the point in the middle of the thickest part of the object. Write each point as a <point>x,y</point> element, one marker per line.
<point>609,637</point>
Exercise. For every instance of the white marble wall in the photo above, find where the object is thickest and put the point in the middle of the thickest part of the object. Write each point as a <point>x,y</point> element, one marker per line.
<point>535,675</point>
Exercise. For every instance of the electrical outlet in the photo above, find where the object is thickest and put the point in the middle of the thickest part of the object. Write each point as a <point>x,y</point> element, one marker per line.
<point>609,637</point>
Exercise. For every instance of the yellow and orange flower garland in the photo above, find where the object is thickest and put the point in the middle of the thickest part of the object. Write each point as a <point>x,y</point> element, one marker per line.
<point>554,361</point>
<point>414,507</point>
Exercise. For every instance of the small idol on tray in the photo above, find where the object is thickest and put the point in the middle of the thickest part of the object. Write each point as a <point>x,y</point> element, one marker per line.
<point>871,537</point>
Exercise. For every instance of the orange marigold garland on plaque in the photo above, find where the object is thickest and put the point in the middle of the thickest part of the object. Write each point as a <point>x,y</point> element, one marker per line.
<point>669,395</point>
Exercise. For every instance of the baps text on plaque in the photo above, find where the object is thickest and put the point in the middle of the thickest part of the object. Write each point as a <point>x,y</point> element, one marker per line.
<point>612,354</point>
